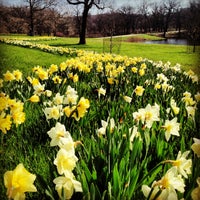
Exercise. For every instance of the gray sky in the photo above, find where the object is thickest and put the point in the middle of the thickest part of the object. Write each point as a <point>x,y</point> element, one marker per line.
<point>115,3</point>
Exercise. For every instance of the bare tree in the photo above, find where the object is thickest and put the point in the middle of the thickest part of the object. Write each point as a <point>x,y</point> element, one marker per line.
<point>87,5</point>
<point>35,6</point>
<point>143,10</point>
<point>128,19</point>
<point>193,24</point>
<point>169,8</point>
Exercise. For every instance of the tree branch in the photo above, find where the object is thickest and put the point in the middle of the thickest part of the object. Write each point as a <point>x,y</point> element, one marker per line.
<point>98,6</point>
<point>77,2</point>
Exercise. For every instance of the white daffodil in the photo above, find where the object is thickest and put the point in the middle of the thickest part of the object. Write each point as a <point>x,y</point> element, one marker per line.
<point>54,112</point>
<point>65,185</point>
<point>58,99</point>
<point>101,91</point>
<point>127,99</point>
<point>58,133</point>
<point>171,128</point>
<point>150,114</point>
<point>183,165</point>
<point>71,96</point>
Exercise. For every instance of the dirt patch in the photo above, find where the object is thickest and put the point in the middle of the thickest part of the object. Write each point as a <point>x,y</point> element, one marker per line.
<point>134,39</point>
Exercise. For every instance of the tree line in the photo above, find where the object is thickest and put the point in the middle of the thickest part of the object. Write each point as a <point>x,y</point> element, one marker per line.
<point>39,18</point>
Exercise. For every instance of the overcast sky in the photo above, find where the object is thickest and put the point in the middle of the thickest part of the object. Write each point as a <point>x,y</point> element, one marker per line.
<point>115,3</point>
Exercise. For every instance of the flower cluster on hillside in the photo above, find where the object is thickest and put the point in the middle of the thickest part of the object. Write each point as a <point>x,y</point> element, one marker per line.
<point>137,123</point>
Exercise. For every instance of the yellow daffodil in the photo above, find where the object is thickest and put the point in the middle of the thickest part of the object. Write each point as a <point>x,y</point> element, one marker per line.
<point>134,69</point>
<point>157,86</point>
<point>139,90</point>
<point>65,161</point>
<point>5,122</point>
<point>141,72</point>
<point>43,74</point>
<point>143,66</point>
<point>57,79</point>
<point>18,75</point>
<point>196,192</point>
<point>1,83</point>
<point>196,147</point>
<point>35,82</point>
<point>18,117</point>
<point>53,68</point>
<point>69,110</point>
<point>63,66</point>
<point>8,76</point>
<point>174,107</point>
<point>82,107</point>
<point>18,182</point>
<point>75,78</point>
<point>4,105</point>
<point>35,98</point>
<point>111,81</point>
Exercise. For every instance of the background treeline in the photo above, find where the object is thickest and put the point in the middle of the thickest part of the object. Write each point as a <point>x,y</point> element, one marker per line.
<point>125,20</point>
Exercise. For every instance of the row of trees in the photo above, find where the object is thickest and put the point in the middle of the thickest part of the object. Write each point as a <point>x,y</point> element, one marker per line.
<point>44,17</point>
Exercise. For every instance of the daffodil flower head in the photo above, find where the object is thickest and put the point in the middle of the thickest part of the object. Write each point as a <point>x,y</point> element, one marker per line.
<point>57,134</point>
<point>18,182</point>
<point>196,147</point>
<point>65,161</point>
<point>58,99</point>
<point>34,98</point>
<point>139,90</point>
<point>101,91</point>
<point>182,164</point>
<point>166,187</point>
<point>54,112</point>
<point>127,99</point>
<point>5,122</point>
<point>196,192</point>
<point>171,128</point>
<point>66,185</point>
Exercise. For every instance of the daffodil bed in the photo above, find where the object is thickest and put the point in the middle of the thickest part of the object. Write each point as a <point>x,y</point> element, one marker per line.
<point>100,126</point>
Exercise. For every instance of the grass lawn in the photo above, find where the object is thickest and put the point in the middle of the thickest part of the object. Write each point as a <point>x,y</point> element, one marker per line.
<point>14,57</point>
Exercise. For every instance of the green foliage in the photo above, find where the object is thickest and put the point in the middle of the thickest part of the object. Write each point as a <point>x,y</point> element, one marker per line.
<point>113,164</point>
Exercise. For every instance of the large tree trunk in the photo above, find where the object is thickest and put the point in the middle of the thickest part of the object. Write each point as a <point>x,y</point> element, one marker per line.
<point>31,32</point>
<point>83,26</point>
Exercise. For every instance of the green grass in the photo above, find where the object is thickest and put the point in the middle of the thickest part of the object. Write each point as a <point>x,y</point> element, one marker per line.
<point>24,59</point>
<point>17,57</point>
